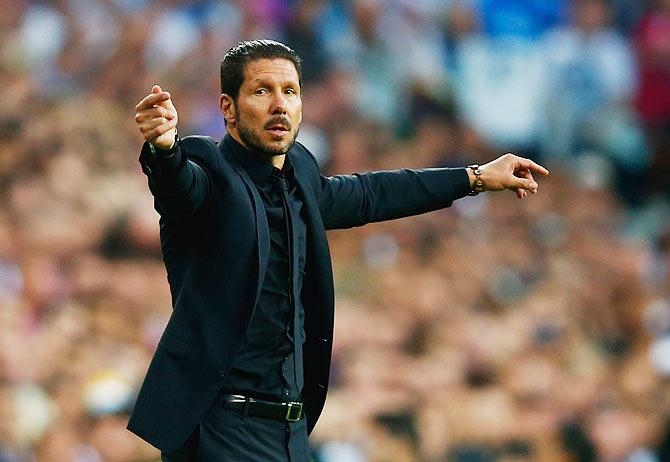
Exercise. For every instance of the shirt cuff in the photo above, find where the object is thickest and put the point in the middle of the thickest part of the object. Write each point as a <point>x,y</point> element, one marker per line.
<point>463,187</point>
<point>169,160</point>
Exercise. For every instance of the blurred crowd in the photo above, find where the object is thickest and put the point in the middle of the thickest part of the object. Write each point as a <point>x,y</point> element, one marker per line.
<point>497,330</point>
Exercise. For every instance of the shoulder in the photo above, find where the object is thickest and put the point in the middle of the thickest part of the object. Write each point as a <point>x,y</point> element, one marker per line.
<point>306,166</point>
<point>203,150</point>
<point>199,145</point>
<point>299,153</point>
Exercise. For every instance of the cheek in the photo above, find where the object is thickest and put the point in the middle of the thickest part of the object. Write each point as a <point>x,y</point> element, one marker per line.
<point>249,110</point>
<point>297,114</point>
<point>248,117</point>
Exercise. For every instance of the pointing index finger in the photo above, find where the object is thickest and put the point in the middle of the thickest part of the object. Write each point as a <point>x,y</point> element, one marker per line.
<point>151,100</point>
<point>532,166</point>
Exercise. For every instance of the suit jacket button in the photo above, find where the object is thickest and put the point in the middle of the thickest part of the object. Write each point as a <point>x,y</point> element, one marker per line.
<point>222,373</point>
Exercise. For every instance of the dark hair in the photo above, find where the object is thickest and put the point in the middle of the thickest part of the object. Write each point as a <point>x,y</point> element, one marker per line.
<point>235,61</point>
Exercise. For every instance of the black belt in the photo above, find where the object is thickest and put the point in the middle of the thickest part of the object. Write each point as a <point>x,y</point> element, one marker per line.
<point>291,411</point>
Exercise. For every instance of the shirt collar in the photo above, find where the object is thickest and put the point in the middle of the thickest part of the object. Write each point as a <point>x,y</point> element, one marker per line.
<point>258,168</point>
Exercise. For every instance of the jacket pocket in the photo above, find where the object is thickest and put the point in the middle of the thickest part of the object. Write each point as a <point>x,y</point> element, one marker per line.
<point>175,345</point>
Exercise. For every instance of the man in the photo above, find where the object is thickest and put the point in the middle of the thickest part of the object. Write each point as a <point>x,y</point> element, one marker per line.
<point>241,371</point>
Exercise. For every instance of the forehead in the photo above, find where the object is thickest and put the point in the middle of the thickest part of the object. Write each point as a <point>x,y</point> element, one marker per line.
<point>277,70</point>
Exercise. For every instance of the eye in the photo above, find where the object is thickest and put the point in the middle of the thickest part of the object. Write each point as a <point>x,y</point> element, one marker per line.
<point>261,91</point>
<point>291,91</point>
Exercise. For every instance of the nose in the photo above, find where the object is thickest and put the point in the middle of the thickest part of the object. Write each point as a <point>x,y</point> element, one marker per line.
<point>278,105</point>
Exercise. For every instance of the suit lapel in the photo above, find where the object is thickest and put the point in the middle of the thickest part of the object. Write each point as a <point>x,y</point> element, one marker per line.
<point>320,286</point>
<point>314,222</point>
<point>262,228</point>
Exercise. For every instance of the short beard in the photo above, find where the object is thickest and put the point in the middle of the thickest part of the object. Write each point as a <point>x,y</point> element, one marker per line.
<point>255,144</point>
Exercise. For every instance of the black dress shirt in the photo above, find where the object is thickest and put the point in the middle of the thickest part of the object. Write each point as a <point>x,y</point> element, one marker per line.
<point>269,364</point>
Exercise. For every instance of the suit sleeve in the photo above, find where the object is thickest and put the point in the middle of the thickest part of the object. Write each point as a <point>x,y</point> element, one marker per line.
<point>354,200</point>
<point>179,184</point>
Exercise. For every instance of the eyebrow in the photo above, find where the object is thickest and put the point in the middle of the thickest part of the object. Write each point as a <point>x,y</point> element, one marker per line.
<point>270,81</point>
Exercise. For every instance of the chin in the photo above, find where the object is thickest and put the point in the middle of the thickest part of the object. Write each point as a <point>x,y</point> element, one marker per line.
<point>271,149</point>
<point>278,148</point>
<point>267,146</point>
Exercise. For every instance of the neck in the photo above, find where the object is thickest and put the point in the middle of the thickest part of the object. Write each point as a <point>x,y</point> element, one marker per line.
<point>277,160</point>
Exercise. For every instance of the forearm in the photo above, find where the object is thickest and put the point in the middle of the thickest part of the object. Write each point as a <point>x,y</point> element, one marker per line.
<point>355,200</point>
<point>178,184</point>
<point>404,193</point>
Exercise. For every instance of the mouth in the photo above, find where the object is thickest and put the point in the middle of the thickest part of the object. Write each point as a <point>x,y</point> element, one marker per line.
<point>278,130</point>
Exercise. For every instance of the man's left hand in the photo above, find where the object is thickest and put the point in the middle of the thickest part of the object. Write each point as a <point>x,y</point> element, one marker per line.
<point>510,172</point>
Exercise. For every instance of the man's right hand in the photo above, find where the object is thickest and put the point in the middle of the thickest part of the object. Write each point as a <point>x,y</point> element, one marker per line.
<point>156,117</point>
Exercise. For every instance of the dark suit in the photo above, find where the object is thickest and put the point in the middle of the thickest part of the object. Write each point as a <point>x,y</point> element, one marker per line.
<point>215,243</point>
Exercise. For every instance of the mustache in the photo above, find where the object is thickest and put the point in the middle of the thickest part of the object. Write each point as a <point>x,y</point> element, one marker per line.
<point>279,120</point>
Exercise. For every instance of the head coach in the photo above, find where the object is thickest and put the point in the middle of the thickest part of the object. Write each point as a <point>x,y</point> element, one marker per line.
<point>241,371</point>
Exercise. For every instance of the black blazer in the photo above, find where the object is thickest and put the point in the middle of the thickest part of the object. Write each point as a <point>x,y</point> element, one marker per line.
<point>215,244</point>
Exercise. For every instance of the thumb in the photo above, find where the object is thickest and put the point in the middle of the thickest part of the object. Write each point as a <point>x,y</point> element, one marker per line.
<point>524,183</point>
<point>167,104</point>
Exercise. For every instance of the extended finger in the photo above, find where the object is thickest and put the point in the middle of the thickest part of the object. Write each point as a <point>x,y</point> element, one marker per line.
<point>522,163</point>
<point>152,100</point>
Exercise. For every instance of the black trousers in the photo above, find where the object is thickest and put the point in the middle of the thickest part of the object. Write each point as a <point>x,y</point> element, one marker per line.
<point>226,435</point>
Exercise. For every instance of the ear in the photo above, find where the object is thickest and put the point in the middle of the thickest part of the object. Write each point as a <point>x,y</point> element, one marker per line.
<point>228,109</point>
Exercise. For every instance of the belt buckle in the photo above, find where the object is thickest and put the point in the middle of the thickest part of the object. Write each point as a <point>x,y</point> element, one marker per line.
<point>290,416</point>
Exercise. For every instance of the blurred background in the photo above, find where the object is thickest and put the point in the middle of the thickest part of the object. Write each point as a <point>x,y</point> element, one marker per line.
<point>497,330</point>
